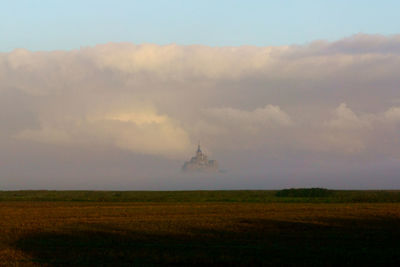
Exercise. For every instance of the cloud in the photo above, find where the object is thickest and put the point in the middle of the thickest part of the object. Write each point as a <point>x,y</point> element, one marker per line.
<point>173,62</point>
<point>259,118</point>
<point>140,131</point>
<point>345,118</point>
<point>392,115</point>
<point>333,99</point>
<point>349,132</point>
<point>245,129</point>
<point>345,131</point>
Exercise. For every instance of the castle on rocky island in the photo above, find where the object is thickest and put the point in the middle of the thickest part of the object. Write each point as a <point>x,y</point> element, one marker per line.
<point>200,162</point>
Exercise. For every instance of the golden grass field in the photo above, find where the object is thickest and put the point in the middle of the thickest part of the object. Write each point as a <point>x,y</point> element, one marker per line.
<point>126,234</point>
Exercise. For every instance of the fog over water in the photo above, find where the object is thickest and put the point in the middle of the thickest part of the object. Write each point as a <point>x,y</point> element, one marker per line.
<point>122,116</point>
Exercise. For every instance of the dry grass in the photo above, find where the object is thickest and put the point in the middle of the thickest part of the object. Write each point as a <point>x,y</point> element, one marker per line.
<point>95,234</point>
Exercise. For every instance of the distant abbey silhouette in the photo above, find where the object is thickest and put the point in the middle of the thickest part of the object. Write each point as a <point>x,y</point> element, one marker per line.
<point>200,163</point>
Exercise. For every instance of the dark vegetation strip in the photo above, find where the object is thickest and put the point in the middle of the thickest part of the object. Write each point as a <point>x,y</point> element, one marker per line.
<point>305,195</point>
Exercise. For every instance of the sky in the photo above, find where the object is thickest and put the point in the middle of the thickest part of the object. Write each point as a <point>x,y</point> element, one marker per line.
<point>117,96</point>
<point>61,24</point>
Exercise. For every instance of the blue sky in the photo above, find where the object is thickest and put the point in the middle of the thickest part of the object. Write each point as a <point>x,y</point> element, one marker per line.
<point>56,24</point>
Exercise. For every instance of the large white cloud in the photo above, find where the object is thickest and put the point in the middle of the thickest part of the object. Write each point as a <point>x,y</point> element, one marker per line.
<point>329,98</point>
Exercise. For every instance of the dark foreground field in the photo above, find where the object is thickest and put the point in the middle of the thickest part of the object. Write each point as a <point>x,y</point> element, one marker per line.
<point>37,233</point>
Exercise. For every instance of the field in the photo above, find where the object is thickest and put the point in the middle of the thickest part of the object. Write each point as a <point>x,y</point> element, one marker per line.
<point>81,228</point>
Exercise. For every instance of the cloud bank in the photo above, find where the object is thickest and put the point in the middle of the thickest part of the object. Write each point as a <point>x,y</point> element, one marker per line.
<point>323,100</point>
